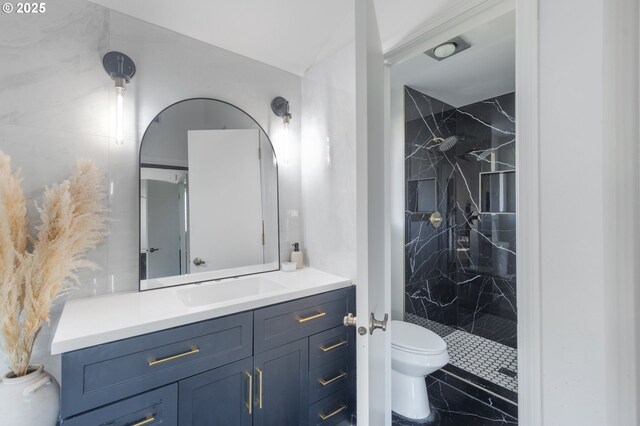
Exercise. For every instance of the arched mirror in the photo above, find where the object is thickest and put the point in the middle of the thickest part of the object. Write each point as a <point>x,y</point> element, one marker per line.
<point>208,196</point>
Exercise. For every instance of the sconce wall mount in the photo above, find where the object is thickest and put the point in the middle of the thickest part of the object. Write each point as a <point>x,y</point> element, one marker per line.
<point>280,107</point>
<point>121,69</point>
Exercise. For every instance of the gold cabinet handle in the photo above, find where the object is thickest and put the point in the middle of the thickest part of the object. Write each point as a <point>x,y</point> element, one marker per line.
<point>171,358</point>
<point>333,413</point>
<point>312,317</point>
<point>259,388</point>
<point>340,375</point>
<point>250,398</point>
<point>146,421</point>
<point>332,347</point>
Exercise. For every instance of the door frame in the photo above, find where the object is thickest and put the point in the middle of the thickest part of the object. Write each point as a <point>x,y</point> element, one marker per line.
<point>461,16</point>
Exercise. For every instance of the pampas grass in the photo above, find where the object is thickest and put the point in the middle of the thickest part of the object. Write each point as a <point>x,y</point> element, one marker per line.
<point>73,221</point>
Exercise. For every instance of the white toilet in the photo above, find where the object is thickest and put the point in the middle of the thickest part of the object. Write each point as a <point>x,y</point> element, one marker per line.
<point>415,352</point>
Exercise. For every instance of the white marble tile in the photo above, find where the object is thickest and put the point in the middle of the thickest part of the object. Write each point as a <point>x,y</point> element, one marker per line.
<point>329,164</point>
<point>47,156</point>
<point>52,77</point>
<point>58,105</point>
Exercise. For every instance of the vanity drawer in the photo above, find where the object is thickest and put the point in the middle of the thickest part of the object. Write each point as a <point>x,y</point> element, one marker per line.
<point>156,407</point>
<point>329,378</point>
<point>332,410</point>
<point>287,322</point>
<point>330,345</point>
<point>101,374</point>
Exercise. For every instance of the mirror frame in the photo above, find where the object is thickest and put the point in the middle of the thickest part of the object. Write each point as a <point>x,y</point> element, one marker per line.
<point>178,280</point>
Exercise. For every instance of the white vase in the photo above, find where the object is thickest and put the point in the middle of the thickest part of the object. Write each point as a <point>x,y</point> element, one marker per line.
<point>33,399</point>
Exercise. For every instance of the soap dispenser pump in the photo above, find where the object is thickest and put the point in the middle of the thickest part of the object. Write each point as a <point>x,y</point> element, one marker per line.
<point>296,256</point>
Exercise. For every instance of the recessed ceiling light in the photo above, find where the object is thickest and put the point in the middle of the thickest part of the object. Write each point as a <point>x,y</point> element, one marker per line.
<point>448,48</point>
<point>445,50</point>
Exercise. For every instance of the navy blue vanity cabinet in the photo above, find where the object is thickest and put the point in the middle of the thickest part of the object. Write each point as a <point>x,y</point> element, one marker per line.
<point>223,396</point>
<point>286,322</point>
<point>329,380</point>
<point>333,410</point>
<point>102,374</point>
<point>289,364</point>
<point>156,407</point>
<point>282,377</point>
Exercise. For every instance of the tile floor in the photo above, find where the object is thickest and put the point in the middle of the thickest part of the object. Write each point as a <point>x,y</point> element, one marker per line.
<point>481,357</point>
<point>451,406</point>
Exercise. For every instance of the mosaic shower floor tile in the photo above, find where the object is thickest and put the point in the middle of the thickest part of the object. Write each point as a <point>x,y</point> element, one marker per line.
<point>489,360</point>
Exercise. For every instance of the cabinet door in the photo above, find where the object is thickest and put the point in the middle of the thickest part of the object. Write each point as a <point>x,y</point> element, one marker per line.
<point>219,397</point>
<point>156,407</point>
<point>282,388</point>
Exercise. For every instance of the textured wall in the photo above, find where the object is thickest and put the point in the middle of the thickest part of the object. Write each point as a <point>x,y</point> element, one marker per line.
<point>57,106</point>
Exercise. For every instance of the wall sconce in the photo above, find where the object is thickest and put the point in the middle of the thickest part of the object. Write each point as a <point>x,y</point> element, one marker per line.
<point>121,69</point>
<point>280,107</point>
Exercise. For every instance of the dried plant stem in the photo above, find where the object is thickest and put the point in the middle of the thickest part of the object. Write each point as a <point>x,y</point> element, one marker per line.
<point>73,222</point>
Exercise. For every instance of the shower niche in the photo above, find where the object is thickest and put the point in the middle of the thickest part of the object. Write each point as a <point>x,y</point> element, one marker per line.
<point>422,196</point>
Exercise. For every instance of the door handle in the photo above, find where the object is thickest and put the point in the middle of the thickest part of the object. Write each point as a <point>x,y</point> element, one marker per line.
<point>351,321</point>
<point>146,421</point>
<point>259,388</point>
<point>198,262</point>
<point>249,404</point>
<point>153,249</point>
<point>374,323</point>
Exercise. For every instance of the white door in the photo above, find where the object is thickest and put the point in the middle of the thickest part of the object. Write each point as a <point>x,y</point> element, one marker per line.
<point>225,199</point>
<point>373,289</point>
<point>163,217</point>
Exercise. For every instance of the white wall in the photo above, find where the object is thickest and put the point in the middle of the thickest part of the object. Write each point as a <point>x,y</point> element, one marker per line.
<point>57,106</point>
<point>581,294</point>
<point>329,163</point>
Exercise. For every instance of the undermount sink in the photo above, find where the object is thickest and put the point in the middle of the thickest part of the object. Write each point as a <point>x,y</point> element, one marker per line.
<point>217,292</point>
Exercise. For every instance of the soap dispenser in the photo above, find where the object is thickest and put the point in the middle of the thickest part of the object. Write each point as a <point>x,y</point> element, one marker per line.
<point>296,256</point>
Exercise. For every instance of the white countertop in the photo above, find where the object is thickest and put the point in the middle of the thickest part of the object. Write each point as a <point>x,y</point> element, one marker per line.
<point>102,319</point>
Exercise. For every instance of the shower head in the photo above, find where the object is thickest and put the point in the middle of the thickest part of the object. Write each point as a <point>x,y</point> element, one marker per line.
<point>445,143</point>
<point>476,154</point>
<point>448,143</point>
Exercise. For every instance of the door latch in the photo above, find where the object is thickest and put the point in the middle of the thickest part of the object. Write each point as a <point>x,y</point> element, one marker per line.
<point>374,323</point>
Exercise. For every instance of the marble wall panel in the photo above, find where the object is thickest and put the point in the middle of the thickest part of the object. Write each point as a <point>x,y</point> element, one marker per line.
<point>463,273</point>
<point>58,103</point>
<point>329,163</point>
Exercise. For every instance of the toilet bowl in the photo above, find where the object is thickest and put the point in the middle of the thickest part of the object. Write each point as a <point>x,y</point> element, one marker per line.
<point>415,353</point>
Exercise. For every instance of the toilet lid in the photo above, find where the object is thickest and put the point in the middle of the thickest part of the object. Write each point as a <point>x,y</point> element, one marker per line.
<point>413,338</point>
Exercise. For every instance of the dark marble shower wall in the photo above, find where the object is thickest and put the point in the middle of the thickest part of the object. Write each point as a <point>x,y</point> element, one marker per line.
<point>461,274</point>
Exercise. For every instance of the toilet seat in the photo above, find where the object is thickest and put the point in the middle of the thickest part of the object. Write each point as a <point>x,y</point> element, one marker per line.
<point>412,338</point>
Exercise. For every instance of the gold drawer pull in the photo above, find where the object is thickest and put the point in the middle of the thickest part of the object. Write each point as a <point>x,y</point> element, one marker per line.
<point>259,388</point>
<point>146,421</point>
<point>171,358</point>
<point>333,413</point>
<point>312,317</point>
<point>249,399</point>
<point>332,347</point>
<point>340,375</point>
